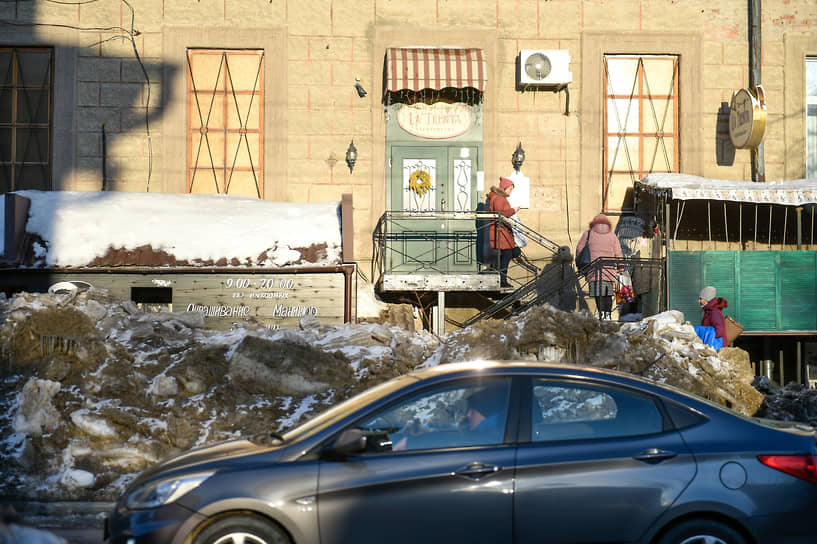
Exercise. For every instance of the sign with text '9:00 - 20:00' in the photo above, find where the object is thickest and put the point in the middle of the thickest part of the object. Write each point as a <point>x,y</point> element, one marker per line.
<point>278,301</point>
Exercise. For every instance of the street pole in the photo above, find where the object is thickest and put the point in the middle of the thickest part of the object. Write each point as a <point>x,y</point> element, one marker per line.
<point>758,163</point>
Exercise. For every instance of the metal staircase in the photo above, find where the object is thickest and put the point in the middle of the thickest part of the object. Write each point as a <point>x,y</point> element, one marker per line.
<point>419,254</point>
<point>563,279</point>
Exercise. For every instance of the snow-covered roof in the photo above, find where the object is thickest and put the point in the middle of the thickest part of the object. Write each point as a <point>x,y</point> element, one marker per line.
<point>689,187</point>
<point>89,228</point>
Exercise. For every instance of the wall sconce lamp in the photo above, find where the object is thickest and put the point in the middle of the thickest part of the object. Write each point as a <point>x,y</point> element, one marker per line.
<point>351,156</point>
<point>361,92</point>
<point>518,157</point>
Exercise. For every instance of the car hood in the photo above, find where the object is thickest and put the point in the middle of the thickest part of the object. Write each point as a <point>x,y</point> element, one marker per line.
<point>212,455</point>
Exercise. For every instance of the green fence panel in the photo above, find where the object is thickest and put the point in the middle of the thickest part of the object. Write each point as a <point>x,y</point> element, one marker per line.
<point>757,273</point>
<point>719,271</point>
<point>766,290</point>
<point>684,272</point>
<point>797,291</point>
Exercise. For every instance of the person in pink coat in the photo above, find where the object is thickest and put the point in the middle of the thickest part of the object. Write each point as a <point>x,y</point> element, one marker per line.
<point>604,243</point>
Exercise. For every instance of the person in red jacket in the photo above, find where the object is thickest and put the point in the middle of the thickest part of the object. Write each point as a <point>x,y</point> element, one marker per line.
<point>713,307</point>
<point>501,235</point>
<point>601,281</point>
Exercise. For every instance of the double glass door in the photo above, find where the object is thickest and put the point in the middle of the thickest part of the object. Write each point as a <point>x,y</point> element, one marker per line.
<point>428,188</point>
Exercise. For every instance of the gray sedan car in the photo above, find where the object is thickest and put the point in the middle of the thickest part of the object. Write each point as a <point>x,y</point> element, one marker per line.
<point>491,452</point>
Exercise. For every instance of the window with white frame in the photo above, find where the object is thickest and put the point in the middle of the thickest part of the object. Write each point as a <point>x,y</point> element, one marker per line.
<point>640,123</point>
<point>811,117</point>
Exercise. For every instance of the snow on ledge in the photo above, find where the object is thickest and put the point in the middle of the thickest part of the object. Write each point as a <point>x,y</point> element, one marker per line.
<point>79,227</point>
<point>689,187</point>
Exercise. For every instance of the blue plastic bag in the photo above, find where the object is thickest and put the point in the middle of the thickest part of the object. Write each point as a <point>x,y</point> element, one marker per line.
<point>707,334</point>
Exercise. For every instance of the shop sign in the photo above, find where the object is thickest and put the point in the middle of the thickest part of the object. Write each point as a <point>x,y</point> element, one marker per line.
<point>436,121</point>
<point>747,118</point>
<point>275,300</point>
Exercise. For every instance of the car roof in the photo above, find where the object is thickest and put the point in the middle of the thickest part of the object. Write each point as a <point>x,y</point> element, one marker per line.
<point>556,369</point>
<point>503,366</point>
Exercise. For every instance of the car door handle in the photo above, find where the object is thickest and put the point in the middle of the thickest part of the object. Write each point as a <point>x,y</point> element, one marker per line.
<point>654,455</point>
<point>476,471</point>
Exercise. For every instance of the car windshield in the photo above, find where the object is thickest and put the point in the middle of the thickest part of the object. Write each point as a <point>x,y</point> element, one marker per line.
<point>336,413</point>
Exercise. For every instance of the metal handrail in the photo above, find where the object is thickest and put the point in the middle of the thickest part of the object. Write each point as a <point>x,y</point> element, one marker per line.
<point>521,299</point>
<point>384,240</point>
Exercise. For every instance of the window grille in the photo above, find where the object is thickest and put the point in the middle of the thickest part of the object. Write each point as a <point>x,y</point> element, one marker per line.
<point>26,89</point>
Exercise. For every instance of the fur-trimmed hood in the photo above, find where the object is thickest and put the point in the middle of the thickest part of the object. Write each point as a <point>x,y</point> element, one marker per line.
<point>497,190</point>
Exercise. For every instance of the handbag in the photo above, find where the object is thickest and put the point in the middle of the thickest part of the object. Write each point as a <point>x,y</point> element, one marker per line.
<point>733,329</point>
<point>583,258</point>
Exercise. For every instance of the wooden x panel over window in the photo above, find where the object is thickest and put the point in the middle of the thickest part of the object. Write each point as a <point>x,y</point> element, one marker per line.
<point>225,139</point>
<point>640,123</point>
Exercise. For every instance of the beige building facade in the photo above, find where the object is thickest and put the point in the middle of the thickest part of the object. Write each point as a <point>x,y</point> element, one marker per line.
<point>258,97</point>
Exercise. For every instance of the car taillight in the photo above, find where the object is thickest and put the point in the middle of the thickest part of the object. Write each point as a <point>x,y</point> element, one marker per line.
<point>800,466</point>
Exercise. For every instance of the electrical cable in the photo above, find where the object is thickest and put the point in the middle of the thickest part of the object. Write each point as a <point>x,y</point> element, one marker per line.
<point>128,35</point>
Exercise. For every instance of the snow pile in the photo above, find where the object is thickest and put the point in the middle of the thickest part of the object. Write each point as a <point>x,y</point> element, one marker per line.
<point>94,390</point>
<point>206,228</point>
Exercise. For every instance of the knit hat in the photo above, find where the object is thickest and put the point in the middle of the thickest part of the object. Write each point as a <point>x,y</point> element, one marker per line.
<point>504,183</point>
<point>708,293</point>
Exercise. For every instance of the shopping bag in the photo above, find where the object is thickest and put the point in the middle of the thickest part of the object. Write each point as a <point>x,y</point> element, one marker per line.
<point>707,336</point>
<point>519,237</point>
<point>624,288</point>
<point>733,329</point>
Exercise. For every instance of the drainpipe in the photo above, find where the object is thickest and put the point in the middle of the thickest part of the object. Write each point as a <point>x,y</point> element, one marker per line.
<point>758,163</point>
<point>104,157</point>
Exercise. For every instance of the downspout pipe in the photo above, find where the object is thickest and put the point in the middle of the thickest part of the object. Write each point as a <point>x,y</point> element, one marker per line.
<point>758,162</point>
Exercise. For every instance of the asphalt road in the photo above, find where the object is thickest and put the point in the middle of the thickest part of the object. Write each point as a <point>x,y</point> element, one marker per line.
<point>76,522</point>
<point>79,535</point>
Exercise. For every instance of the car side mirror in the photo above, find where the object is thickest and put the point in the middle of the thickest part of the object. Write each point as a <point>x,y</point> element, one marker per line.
<point>349,442</point>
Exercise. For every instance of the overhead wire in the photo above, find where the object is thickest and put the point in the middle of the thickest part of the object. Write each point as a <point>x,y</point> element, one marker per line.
<point>128,34</point>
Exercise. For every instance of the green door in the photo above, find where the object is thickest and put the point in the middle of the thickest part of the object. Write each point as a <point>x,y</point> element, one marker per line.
<point>427,186</point>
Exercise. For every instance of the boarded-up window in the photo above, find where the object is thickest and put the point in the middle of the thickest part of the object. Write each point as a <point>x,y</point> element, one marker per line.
<point>640,123</point>
<point>225,138</point>
<point>25,118</point>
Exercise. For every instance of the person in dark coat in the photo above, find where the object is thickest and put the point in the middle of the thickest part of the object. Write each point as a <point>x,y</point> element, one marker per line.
<point>713,307</point>
<point>556,284</point>
<point>501,235</point>
<point>601,281</point>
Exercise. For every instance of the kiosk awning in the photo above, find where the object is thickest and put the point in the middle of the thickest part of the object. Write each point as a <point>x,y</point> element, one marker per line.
<point>689,187</point>
<point>416,68</point>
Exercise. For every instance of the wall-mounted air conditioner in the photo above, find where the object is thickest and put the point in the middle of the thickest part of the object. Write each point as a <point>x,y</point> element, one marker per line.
<point>544,68</point>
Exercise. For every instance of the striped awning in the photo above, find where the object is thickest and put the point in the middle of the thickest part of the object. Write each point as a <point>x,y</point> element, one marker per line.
<point>416,68</point>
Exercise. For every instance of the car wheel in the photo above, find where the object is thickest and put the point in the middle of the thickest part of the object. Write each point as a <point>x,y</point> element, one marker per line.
<point>702,531</point>
<point>241,530</point>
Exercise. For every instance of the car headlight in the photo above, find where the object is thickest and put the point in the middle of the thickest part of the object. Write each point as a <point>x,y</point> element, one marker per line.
<point>164,491</point>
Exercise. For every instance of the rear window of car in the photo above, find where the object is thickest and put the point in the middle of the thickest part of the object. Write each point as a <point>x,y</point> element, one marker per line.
<point>570,411</point>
